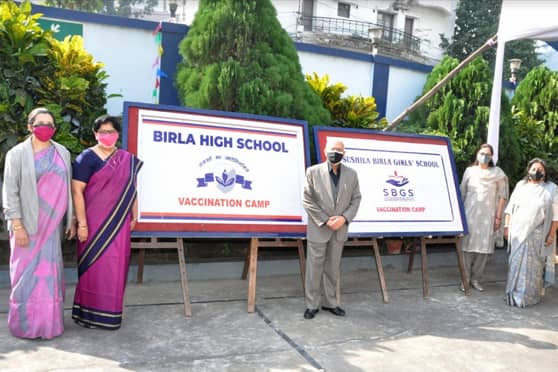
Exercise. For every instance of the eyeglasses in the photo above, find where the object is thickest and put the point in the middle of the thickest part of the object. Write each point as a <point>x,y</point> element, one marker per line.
<point>107,132</point>
<point>43,124</point>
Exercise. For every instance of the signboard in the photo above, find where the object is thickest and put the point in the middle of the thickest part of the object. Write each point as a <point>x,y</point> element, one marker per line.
<point>60,29</point>
<point>408,183</point>
<point>210,173</point>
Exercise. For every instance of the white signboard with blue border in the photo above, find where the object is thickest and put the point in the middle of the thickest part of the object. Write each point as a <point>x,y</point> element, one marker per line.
<point>216,174</point>
<point>408,183</point>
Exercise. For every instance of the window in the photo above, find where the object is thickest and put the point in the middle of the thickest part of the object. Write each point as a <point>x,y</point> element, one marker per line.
<point>409,22</point>
<point>386,21</point>
<point>344,10</point>
<point>408,35</point>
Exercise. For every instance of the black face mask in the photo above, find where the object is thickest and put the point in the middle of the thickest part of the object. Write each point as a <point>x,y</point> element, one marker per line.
<point>536,176</point>
<point>334,157</point>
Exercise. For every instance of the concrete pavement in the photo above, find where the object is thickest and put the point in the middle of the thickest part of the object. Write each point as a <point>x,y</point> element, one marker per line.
<point>447,332</point>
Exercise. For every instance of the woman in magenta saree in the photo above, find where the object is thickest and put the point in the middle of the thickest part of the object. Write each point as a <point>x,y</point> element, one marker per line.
<point>104,188</point>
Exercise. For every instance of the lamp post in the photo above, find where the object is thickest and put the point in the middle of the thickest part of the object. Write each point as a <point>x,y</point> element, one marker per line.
<point>173,6</point>
<point>515,64</point>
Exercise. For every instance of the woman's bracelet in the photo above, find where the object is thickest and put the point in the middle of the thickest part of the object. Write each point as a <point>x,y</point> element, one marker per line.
<point>17,227</point>
<point>83,227</point>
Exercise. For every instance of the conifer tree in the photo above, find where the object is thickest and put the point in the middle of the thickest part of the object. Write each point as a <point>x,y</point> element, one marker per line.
<point>238,58</point>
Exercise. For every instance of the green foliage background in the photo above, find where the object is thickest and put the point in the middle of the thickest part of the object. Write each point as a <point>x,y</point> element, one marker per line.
<point>535,116</point>
<point>477,21</point>
<point>238,58</point>
<point>348,111</point>
<point>460,110</point>
<point>37,70</point>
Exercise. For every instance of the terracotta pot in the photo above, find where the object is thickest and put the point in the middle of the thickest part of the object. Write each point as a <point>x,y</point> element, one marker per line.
<point>394,246</point>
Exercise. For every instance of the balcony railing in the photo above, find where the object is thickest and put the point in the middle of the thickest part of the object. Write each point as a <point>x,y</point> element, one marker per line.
<point>347,27</point>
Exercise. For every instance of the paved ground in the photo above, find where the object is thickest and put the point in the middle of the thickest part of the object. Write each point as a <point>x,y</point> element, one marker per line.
<point>447,332</point>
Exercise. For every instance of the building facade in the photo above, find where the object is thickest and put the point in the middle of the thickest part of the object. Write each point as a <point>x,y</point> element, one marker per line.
<point>370,66</point>
<point>404,29</point>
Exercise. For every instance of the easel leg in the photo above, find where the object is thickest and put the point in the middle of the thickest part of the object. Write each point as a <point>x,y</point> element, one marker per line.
<point>301,261</point>
<point>246,264</point>
<point>141,257</point>
<point>461,262</point>
<point>253,269</point>
<point>184,278</point>
<point>424,267</point>
<point>380,269</point>
<point>413,247</point>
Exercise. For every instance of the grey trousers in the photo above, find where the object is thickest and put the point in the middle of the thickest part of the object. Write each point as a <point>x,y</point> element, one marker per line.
<point>475,264</point>
<point>323,263</point>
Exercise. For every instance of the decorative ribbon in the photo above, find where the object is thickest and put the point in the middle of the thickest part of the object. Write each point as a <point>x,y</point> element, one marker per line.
<point>157,62</point>
<point>210,177</point>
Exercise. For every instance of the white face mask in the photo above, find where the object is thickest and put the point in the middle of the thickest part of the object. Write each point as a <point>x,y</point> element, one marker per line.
<point>484,158</point>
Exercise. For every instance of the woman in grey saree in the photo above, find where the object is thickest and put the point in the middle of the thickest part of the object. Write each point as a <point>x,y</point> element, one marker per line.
<point>530,226</point>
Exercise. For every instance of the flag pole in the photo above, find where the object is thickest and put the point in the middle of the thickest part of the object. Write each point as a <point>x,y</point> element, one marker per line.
<point>489,44</point>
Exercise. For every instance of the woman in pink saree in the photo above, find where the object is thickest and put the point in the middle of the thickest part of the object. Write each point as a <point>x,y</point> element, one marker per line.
<point>104,189</point>
<point>36,198</point>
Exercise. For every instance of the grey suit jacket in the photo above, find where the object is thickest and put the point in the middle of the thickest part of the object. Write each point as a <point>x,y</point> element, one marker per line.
<point>318,201</point>
<point>19,191</point>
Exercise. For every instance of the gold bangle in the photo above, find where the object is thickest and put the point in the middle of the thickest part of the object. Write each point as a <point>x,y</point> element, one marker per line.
<point>16,228</point>
<point>82,227</point>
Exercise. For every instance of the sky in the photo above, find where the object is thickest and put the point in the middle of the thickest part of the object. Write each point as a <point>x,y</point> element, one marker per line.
<point>549,54</point>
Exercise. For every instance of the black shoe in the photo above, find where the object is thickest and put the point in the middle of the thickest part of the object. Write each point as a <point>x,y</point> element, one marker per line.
<point>334,310</point>
<point>310,313</point>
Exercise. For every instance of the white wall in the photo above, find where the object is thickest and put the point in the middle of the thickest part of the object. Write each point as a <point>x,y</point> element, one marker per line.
<point>404,86</point>
<point>356,75</point>
<point>128,61</point>
<point>429,24</point>
<point>432,17</point>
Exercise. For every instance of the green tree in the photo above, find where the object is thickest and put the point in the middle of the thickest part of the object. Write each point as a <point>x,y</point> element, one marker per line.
<point>349,111</point>
<point>460,110</point>
<point>75,90</point>
<point>535,115</point>
<point>237,57</point>
<point>23,62</point>
<point>37,69</point>
<point>477,21</point>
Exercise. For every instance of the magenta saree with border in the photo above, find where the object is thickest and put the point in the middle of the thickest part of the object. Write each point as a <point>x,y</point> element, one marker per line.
<point>104,257</point>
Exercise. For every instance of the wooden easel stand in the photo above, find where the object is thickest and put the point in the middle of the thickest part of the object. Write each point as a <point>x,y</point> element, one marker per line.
<point>178,244</point>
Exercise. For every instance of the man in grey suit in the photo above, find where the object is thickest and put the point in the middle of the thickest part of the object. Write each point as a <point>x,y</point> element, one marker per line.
<point>331,198</point>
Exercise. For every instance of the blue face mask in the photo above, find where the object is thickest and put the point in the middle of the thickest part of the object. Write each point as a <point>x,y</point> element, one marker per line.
<point>484,158</point>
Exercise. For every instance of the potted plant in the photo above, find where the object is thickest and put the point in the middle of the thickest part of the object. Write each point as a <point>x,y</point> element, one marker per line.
<point>394,245</point>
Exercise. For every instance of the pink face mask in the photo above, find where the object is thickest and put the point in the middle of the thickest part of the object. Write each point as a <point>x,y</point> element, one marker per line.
<point>107,139</point>
<point>43,132</point>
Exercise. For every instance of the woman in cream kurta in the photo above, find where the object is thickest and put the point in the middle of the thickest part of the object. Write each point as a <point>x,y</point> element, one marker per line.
<point>484,189</point>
